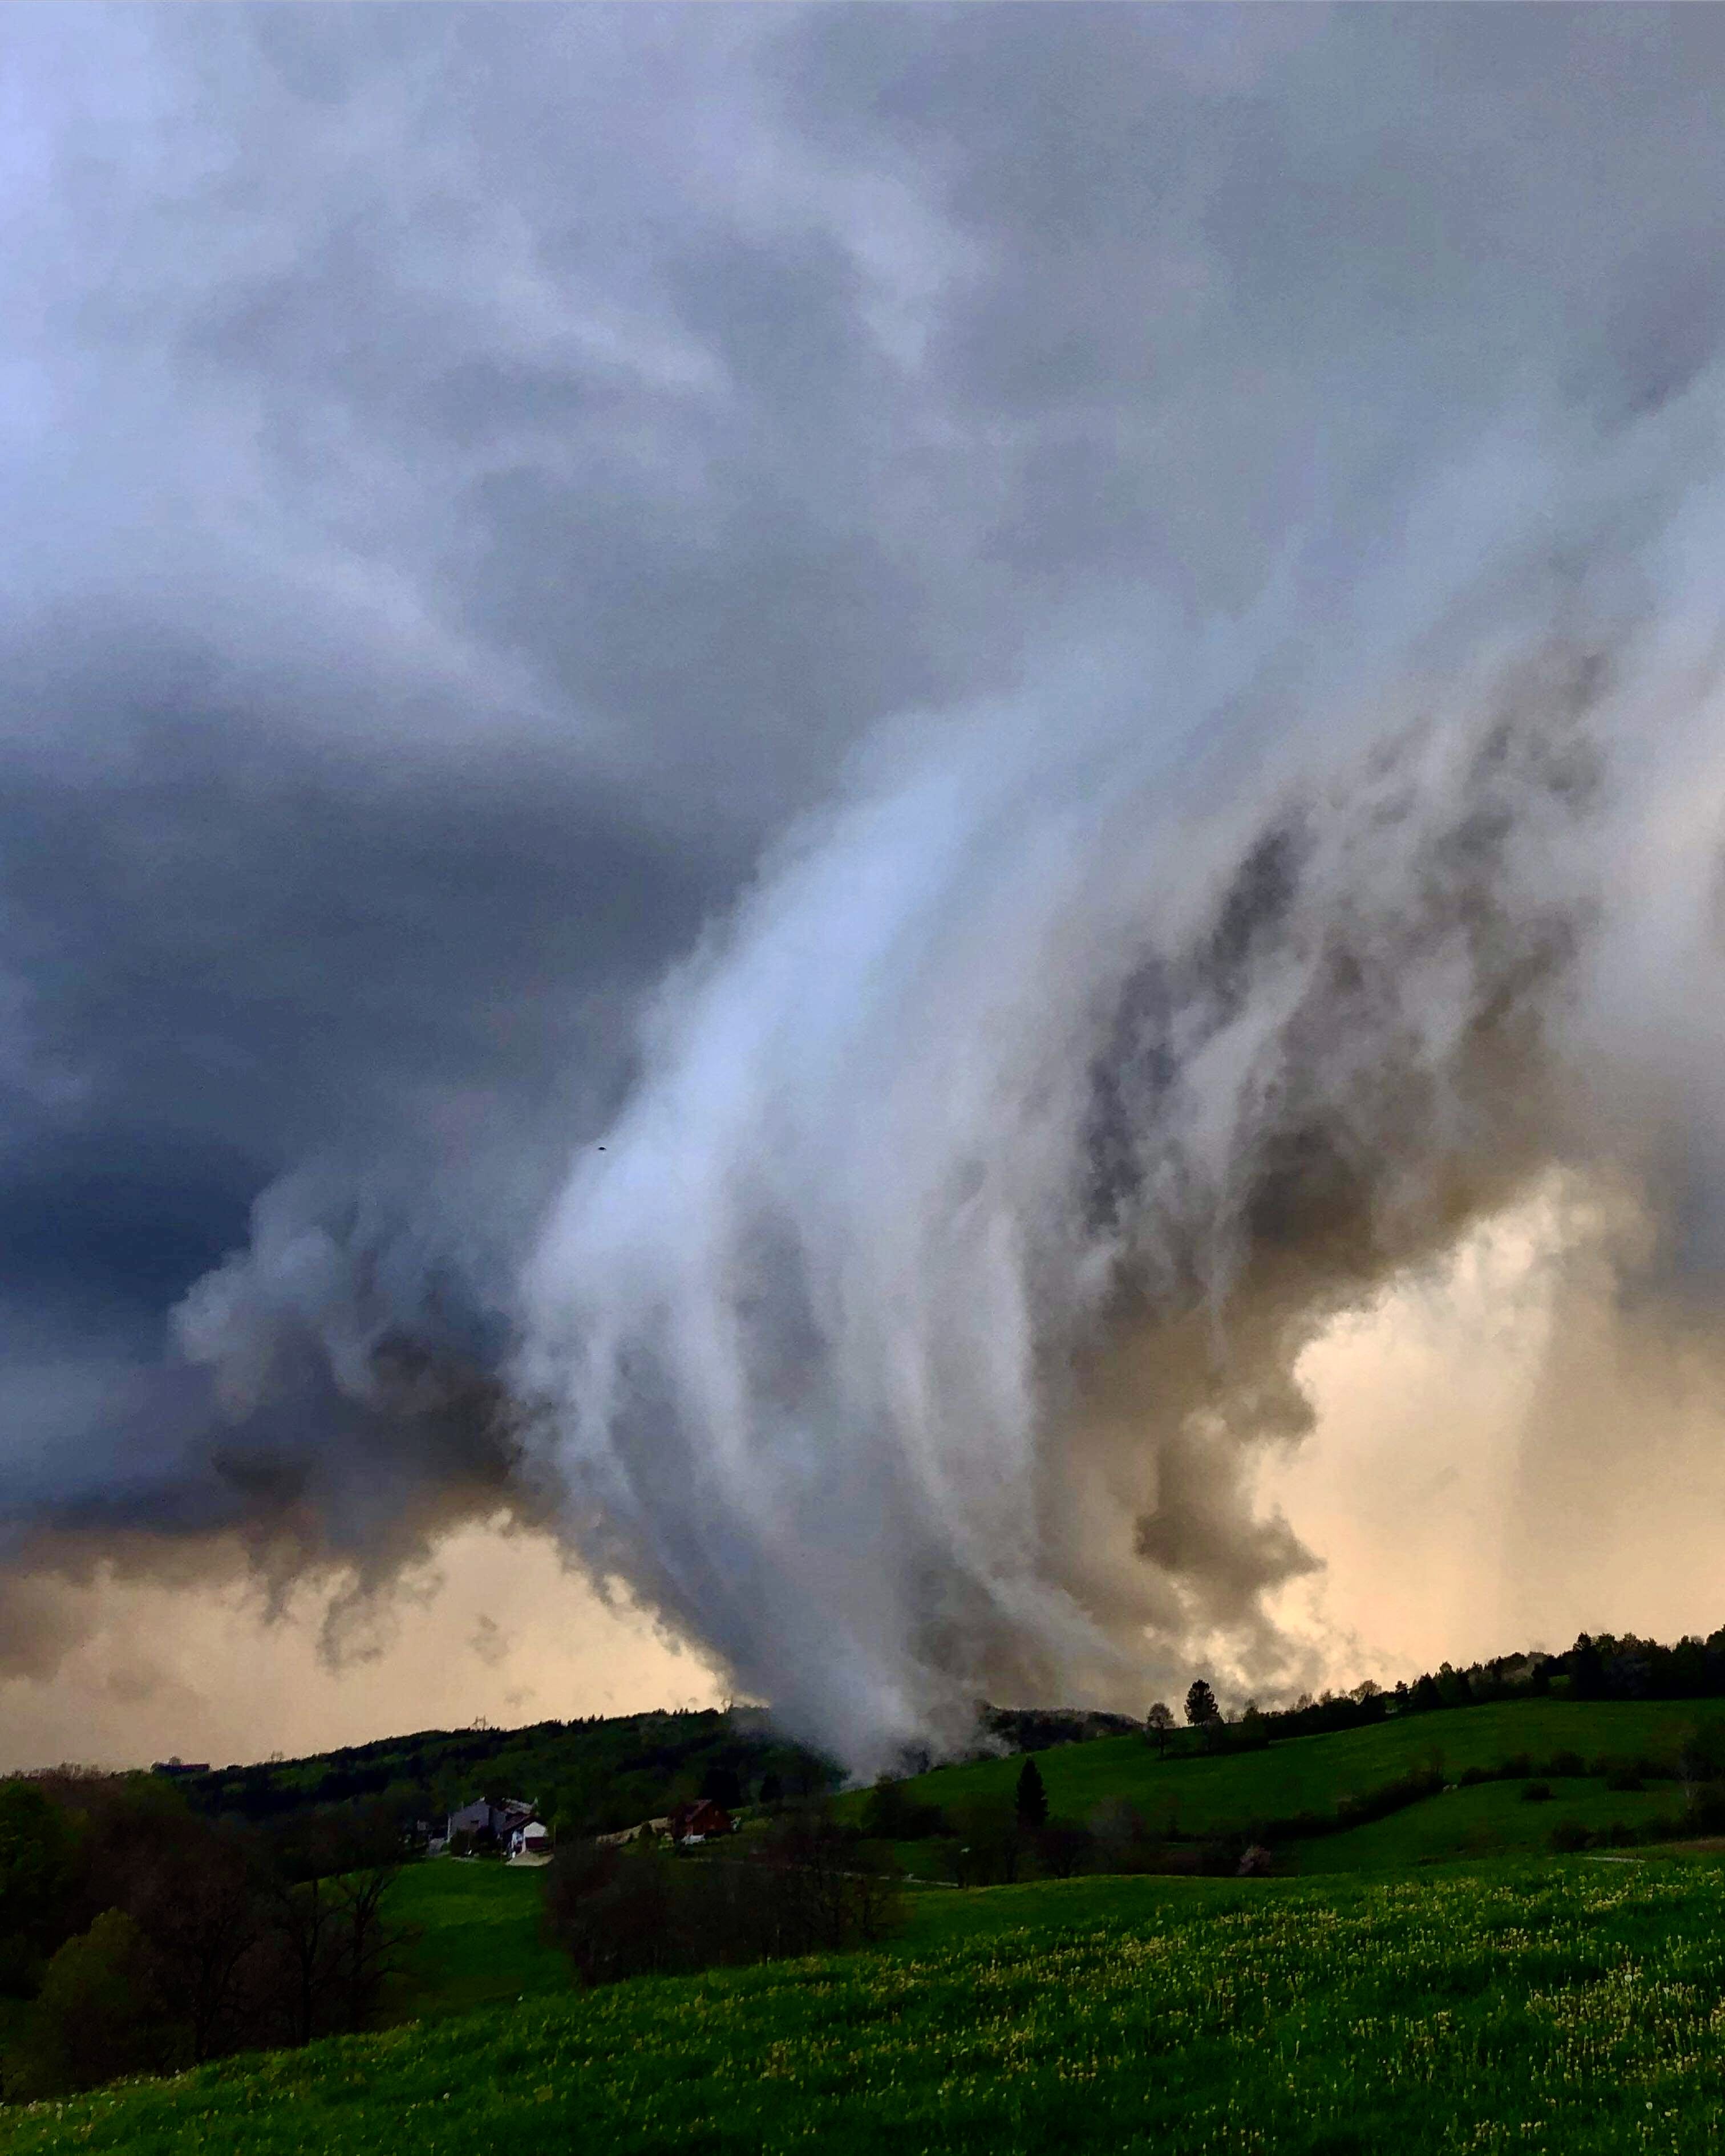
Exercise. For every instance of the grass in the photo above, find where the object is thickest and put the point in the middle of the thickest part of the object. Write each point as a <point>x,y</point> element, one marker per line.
<point>1574,2006</point>
<point>479,1943</point>
<point>1228,1793</point>
<point>1377,2001</point>
<point>1491,1820</point>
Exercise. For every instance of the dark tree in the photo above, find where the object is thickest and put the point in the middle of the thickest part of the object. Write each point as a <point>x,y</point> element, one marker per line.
<point>890,1814</point>
<point>1201,1707</point>
<point>1062,1847</point>
<point>36,1877</point>
<point>805,1887</point>
<point>1031,1799</point>
<point>1586,1669</point>
<point>101,2013</point>
<point>721,1783</point>
<point>988,1842</point>
<point>1453,1688</point>
<point>1159,1727</point>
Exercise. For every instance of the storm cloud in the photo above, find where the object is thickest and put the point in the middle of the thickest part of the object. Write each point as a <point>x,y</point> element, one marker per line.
<point>1042,663</point>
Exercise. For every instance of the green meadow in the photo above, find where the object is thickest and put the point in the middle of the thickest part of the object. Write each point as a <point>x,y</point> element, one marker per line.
<point>477,1941</point>
<point>1196,1794</point>
<point>1572,2005</point>
<point>1435,1980</point>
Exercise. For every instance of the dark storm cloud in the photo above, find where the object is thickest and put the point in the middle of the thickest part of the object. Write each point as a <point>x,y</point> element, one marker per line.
<point>453,526</point>
<point>475,476</point>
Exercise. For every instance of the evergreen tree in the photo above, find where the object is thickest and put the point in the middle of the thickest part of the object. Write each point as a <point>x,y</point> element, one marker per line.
<point>1201,1707</point>
<point>1032,1798</point>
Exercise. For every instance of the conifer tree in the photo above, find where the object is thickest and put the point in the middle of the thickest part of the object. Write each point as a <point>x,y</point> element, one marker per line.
<point>1032,1798</point>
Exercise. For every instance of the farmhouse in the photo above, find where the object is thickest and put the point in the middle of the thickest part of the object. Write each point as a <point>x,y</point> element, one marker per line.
<point>492,1822</point>
<point>699,1821</point>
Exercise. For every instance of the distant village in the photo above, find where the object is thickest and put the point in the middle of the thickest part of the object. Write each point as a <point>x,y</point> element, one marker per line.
<point>514,1828</point>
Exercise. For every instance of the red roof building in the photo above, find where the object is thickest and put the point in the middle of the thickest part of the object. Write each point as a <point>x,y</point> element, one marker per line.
<point>699,1821</point>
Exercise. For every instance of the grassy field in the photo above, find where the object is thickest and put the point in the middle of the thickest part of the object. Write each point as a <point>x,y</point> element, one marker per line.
<point>479,1943</point>
<point>1389,1997</point>
<point>1575,2006</point>
<point>1491,1820</point>
<point>1228,1793</point>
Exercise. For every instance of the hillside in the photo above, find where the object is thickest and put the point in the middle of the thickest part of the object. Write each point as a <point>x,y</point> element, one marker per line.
<point>1568,2006</point>
<point>1576,1747</point>
<point>1192,1791</point>
<point>588,1776</point>
<point>1000,2004</point>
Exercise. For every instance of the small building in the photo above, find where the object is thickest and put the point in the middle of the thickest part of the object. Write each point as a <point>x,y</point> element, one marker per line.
<point>489,1822</point>
<point>531,1840</point>
<point>699,1821</point>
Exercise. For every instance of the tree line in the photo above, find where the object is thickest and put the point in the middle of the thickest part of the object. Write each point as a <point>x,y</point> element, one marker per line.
<point>1599,1665</point>
<point>136,1936</point>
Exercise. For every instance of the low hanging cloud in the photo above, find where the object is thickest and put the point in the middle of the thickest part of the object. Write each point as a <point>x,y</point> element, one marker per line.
<point>919,1334</point>
<point>780,782</point>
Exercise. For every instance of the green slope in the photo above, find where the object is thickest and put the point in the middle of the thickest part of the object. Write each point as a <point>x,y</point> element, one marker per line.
<point>1573,2007</point>
<point>1226,1793</point>
<point>1491,1820</point>
<point>597,1774</point>
<point>478,1941</point>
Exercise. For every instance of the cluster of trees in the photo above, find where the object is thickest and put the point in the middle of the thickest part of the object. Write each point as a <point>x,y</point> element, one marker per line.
<point>140,1937</point>
<point>1601,1666</point>
<point>806,1886</point>
<point>1607,1666</point>
<point>984,1840</point>
<point>588,1777</point>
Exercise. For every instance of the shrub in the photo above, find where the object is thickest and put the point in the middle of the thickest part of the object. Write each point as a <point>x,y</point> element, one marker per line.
<point>1471,1776</point>
<point>1537,1793</point>
<point>1395,1796</point>
<point>1569,1835</point>
<point>1566,1767</point>
<point>100,2014</point>
<point>808,1887</point>
<point>891,1815</point>
<point>1707,1810</point>
<point>989,1843</point>
<point>1624,1778</point>
<point>1062,1847</point>
<point>1119,1833</point>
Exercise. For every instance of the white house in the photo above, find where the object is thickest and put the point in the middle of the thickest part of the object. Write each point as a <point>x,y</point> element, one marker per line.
<point>483,1819</point>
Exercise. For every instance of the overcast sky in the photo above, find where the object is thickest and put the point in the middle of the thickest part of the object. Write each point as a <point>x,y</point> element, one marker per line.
<point>471,477</point>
